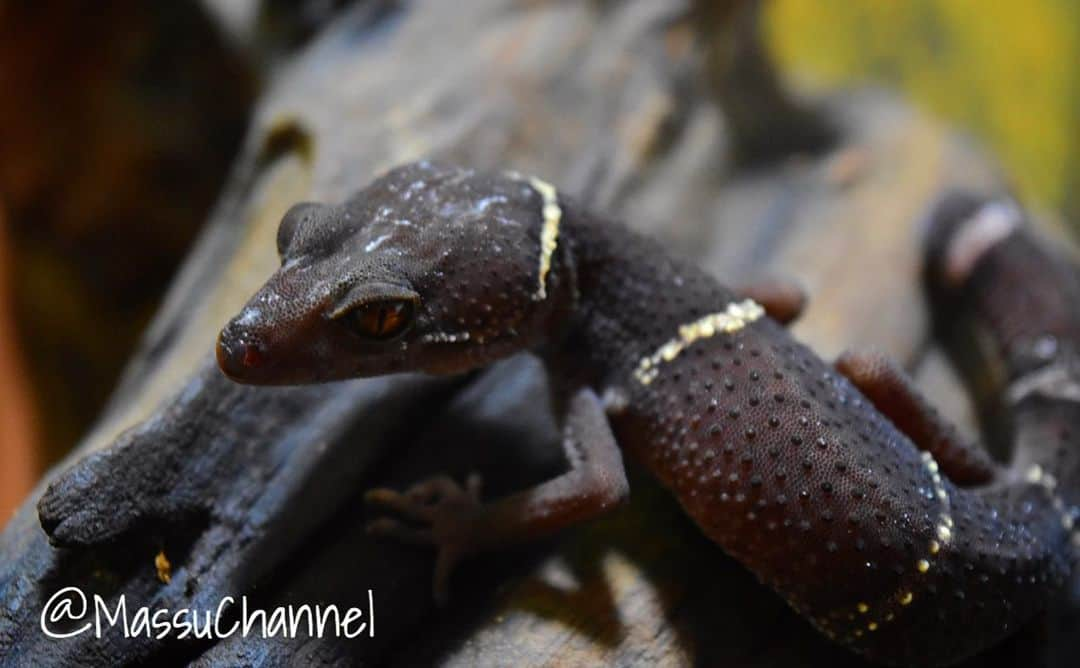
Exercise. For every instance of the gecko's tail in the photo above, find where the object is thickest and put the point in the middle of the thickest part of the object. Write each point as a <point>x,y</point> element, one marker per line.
<point>1007,302</point>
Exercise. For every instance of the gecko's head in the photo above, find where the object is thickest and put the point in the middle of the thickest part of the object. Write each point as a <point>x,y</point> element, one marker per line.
<point>430,268</point>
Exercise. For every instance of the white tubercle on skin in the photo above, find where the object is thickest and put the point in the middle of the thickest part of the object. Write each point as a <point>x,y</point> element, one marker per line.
<point>944,528</point>
<point>372,245</point>
<point>986,227</point>
<point>733,318</point>
<point>443,337</point>
<point>1037,476</point>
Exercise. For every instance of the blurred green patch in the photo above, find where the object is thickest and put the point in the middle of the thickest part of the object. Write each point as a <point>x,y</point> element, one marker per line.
<point>1010,72</point>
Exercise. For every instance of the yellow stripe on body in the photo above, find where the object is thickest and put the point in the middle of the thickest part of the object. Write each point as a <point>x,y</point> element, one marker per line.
<point>733,318</point>
<point>549,234</point>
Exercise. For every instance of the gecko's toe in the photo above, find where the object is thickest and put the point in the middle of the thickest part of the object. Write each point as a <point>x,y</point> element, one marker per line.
<point>405,505</point>
<point>391,528</point>
<point>446,513</point>
<point>74,510</point>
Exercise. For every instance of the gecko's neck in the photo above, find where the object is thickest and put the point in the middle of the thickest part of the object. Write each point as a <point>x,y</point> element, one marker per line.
<point>632,296</point>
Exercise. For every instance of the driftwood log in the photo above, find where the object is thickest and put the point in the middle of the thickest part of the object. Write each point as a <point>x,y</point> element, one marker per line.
<point>257,492</point>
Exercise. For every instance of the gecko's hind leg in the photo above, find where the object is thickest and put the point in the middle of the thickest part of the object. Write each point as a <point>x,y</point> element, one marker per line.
<point>783,299</point>
<point>895,395</point>
<point>452,518</point>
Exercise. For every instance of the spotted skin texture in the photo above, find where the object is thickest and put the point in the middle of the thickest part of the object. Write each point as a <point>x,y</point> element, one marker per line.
<point>775,455</point>
<point>786,465</point>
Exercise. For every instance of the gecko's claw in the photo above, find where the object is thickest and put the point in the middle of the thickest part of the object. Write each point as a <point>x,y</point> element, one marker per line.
<point>446,513</point>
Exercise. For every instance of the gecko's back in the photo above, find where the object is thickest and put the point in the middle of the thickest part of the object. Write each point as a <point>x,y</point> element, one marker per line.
<point>780,460</point>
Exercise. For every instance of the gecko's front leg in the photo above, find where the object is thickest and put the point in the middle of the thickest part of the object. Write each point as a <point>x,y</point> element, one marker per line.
<point>452,518</point>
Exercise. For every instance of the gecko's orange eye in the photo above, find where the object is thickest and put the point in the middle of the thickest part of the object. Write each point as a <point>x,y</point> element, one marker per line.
<point>380,321</point>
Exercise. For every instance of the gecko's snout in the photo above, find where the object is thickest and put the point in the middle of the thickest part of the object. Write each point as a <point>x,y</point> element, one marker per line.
<point>237,355</point>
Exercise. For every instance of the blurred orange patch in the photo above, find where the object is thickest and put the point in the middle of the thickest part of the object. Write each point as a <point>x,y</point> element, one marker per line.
<point>18,438</point>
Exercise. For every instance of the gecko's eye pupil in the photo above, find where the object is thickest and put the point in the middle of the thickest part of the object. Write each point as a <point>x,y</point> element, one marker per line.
<point>381,321</point>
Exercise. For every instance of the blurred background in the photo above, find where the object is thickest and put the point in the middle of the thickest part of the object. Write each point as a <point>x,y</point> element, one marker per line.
<point>119,122</point>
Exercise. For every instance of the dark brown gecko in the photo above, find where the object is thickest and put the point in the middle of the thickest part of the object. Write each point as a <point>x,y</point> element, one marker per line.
<point>840,487</point>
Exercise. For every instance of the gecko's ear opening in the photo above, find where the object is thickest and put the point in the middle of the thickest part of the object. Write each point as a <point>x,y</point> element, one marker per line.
<point>297,213</point>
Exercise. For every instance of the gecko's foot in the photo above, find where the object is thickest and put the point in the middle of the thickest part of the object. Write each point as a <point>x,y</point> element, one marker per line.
<point>437,511</point>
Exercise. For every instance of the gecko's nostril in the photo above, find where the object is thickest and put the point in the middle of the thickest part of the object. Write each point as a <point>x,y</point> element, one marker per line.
<point>236,356</point>
<point>252,357</point>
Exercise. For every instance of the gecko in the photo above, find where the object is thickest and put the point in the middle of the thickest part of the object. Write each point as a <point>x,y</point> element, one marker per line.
<point>838,485</point>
